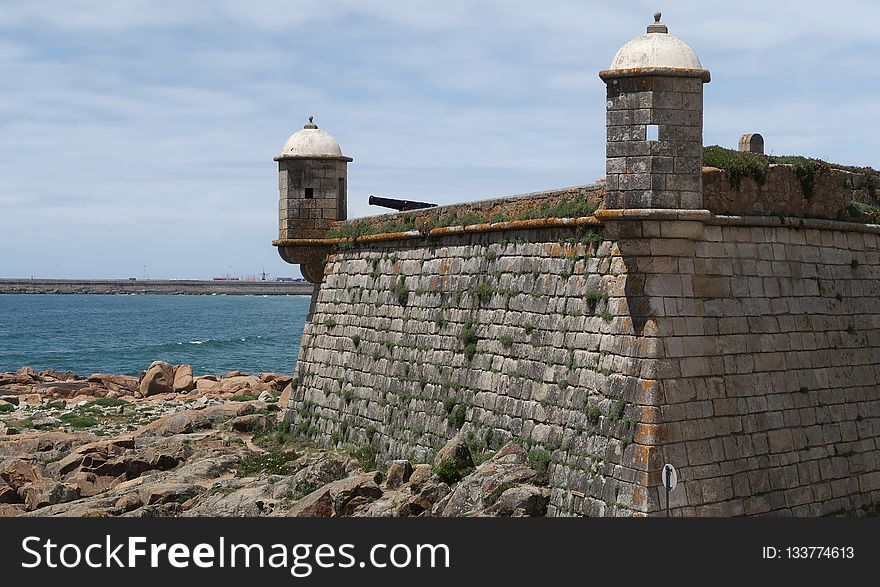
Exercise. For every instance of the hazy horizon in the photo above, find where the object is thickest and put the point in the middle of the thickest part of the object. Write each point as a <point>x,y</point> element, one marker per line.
<point>137,137</point>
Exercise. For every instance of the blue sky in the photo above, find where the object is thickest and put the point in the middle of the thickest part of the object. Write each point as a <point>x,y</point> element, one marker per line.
<point>141,133</point>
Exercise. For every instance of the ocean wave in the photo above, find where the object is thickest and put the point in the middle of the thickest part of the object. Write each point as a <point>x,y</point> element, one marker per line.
<point>209,343</point>
<point>241,339</point>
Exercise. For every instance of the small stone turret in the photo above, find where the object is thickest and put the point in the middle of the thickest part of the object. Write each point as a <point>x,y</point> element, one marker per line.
<point>313,183</point>
<point>654,149</point>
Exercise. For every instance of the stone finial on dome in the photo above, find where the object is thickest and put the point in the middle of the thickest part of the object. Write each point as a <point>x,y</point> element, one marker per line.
<point>310,123</point>
<point>657,26</point>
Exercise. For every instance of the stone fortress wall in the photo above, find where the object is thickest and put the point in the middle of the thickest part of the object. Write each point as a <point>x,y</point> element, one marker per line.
<point>498,335</point>
<point>743,350</point>
<point>675,315</point>
<point>768,372</point>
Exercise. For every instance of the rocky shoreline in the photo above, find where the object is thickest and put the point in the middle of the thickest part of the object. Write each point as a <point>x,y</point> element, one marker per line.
<point>171,444</point>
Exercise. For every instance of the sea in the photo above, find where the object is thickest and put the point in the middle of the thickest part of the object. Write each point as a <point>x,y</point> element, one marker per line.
<point>123,334</point>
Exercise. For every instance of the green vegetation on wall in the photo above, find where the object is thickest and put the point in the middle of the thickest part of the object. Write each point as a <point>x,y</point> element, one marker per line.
<point>574,207</point>
<point>867,210</point>
<point>738,164</point>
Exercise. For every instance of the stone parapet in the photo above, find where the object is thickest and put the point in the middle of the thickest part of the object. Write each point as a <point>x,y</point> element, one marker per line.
<point>782,193</point>
<point>503,208</point>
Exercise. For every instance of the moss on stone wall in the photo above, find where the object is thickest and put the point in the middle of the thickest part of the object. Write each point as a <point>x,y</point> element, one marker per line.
<point>868,211</point>
<point>805,169</point>
<point>738,164</point>
<point>575,206</point>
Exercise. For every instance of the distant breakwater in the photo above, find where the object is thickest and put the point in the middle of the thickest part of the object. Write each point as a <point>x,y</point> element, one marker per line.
<point>154,287</point>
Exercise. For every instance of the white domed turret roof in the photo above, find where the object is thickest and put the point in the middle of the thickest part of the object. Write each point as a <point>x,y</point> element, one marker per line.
<point>656,49</point>
<point>311,141</point>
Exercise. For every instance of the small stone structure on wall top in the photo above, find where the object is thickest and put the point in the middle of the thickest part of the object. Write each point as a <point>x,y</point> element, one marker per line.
<point>655,81</point>
<point>313,182</point>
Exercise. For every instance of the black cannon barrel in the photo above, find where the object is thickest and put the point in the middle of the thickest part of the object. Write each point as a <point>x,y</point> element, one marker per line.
<point>399,205</point>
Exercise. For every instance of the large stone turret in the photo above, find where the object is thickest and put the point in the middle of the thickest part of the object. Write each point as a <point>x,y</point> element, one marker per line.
<point>312,180</point>
<point>654,120</point>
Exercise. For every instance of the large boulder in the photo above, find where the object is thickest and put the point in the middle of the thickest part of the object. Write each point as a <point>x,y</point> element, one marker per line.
<point>69,389</point>
<point>90,484</point>
<point>44,492</point>
<point>318,504</point>
<point>522,500</point>
<point>18,473</point>
<point>188,421</point>
<point>44,447</point>
<point>276,380</point>
<point>15,382</point>
<point>92,456</point>
<point>159,378</point>
<point>52,374</point>
<point>473,494</point>
<point>31,399</point>
<point>8,494</point>
<point>185,422</point>
<point>268,495</point>
<point>454,454</point>
<point>420,475</point>
<point>387,506</point>
<point>207,384</point>
<point>406,502</point>
<point>336,498</point>
<point>218,464</point>
<point>243,385</point>
<point>118,383</point>
<point>129,501</point>
<point>399,473</point>
<point>251,497</point>
<point>316,470</point>
<point>251,423</point>
<point>428,495</point>
<point>284,398</point>
<point>100,465</point>
<point>183,378</point>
